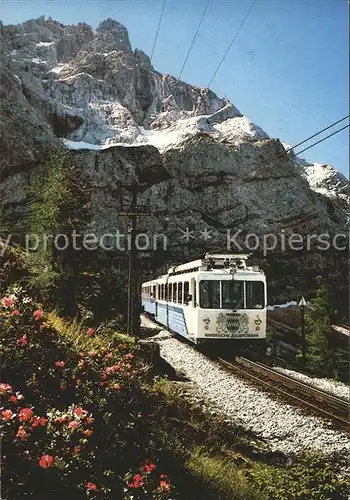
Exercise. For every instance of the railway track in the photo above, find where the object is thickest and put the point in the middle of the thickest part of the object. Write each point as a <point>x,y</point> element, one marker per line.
<point>319,402</point>
<point>323,403</point>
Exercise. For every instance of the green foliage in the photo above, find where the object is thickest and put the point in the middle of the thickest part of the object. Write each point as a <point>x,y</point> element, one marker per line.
<point>318,329</point>
<point>57,193</point>
<point>322,355</point>
<point>53,368</point>
<point>298,272</point>
<point>222,477</point>
<point>59,205</point>
<point>75,280</point>
<point>312,477</point>
<point>13,267</point>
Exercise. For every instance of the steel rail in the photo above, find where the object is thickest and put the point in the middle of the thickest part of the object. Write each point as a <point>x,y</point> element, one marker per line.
<point>341,406</point>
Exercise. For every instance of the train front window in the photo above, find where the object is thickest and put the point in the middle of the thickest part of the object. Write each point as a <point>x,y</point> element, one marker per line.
<point>232,294</point>
<point>255,295</point>
<point>209,294</point>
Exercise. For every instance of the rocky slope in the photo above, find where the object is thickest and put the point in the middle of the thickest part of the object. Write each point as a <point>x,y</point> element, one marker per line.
<point>196,161</point>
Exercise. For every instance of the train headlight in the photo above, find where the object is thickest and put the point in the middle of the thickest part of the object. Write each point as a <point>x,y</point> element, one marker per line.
<point>257,328</point>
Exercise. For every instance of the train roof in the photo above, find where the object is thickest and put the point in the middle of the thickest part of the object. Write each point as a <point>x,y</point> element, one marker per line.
<point>235,263</point>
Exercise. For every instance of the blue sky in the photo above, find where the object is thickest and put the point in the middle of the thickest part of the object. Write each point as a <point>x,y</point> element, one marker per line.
<point>287,70</point>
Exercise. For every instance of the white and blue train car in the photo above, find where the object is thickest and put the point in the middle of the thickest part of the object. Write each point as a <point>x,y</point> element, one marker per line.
<point>218,297</point>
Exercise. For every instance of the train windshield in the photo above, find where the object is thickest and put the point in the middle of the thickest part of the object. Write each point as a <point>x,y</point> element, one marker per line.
<point>231,294</point>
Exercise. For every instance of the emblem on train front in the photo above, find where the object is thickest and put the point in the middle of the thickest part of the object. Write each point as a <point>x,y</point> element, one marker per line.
<point>206,322</point>
<point>232,323</point>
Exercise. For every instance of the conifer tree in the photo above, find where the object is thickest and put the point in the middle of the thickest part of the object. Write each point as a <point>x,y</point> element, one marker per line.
<point>59,204</point>
<point>318,329</point>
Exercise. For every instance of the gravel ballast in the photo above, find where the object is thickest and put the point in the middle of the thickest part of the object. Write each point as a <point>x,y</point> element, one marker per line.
<point>324,384</point>
<point>283,427</point>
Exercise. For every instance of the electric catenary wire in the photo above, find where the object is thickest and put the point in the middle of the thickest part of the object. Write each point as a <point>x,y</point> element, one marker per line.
<point>232,42</point>
<point>194,38</point>
<point>158,27</point>
<point>321,140</point>
<point>311,137</point>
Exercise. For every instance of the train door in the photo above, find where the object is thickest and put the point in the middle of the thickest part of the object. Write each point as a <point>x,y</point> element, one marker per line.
<point>156,301</point>
<point>190,306</point>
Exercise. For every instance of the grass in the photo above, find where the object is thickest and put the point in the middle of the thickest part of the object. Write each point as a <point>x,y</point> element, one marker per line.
<point>221,476</point>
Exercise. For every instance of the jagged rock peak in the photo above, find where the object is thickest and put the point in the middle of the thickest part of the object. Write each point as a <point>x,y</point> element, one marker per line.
<point>118,31</point>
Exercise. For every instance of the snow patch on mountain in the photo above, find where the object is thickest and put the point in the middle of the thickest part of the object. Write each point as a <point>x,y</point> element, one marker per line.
<point>44,44</point>
<point>114,125</point>
<point>58,68</point>
<point>322,178</point>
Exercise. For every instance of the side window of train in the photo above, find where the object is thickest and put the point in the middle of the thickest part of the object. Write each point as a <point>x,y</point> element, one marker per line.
<point>186,292</point>
<point>174,292</point>
<point>158,292</point>
<point>255,295</point>
<point>154,291</point>
<point>166,291</point>
<point>179,293</point>
<point>209,294</point>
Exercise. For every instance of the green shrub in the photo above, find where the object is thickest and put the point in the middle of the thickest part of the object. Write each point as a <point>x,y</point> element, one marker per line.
<point>52,369</point>
<point>311,477</point>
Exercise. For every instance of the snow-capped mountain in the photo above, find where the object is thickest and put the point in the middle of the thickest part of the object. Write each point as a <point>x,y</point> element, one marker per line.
<point>322,178</point>
<point>188,150</point>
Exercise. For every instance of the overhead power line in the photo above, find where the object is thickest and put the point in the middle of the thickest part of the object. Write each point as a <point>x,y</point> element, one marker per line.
<point>158,27</point>
<point>232,42</point>
<point>312,136</point>
<point>194,38</point>
<point>321,140</point>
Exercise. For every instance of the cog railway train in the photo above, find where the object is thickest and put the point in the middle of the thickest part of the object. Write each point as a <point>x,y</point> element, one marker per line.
<point>218,297</point>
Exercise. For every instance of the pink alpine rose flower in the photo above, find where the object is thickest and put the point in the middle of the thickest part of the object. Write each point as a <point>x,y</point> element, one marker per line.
<point>79,412</point>
<point>7,302</point>
<point>22,341</point>
<point>7,415</point>
<point>5,388</point>
<point>73,425</point>
<point>91,486</point>
<point>38,314</point>
<point>25,414</point>
<point>21,433</point>
<point>46,461</point>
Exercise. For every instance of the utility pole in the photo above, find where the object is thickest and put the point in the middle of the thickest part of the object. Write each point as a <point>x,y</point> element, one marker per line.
<point>132,229</point>
<point>132,210</point>
<point>302,304</point>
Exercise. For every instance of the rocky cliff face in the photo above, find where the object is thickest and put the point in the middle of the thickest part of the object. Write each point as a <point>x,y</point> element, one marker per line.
<point>196,161</point>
